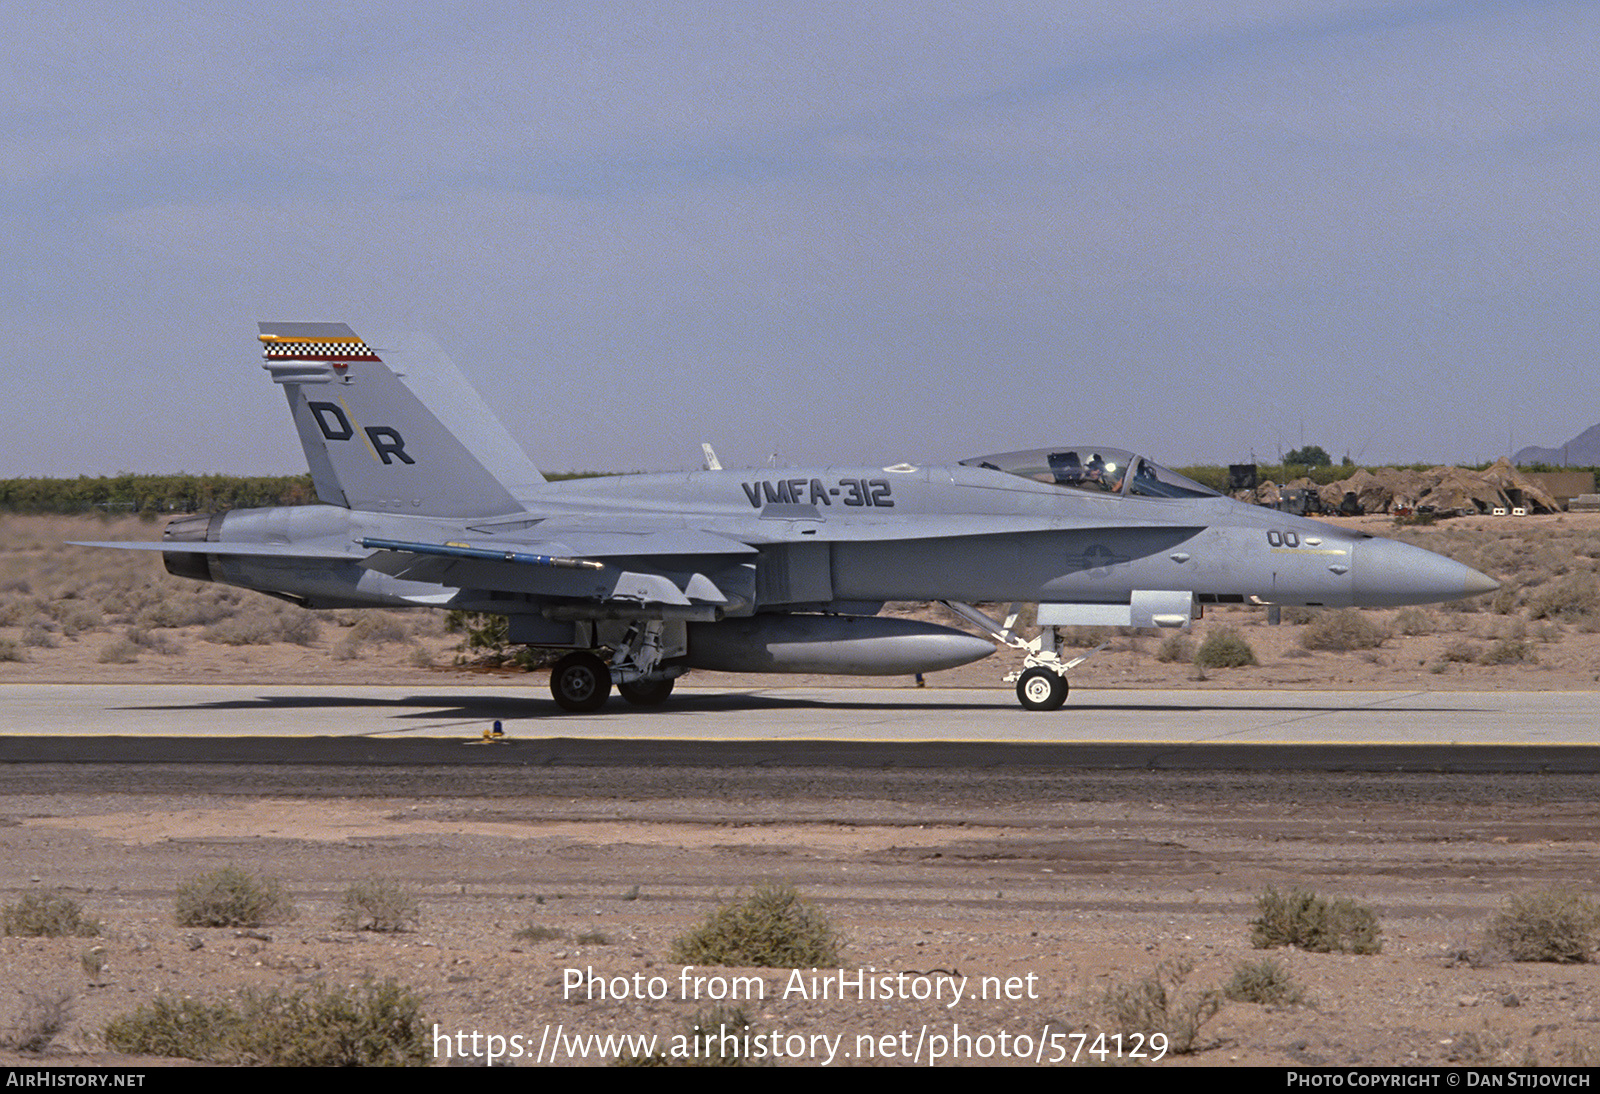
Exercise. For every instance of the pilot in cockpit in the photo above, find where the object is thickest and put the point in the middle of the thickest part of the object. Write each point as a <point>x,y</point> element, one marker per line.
<point>1108,478</point>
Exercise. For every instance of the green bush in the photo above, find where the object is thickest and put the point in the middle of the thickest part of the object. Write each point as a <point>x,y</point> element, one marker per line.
<point>1553,925</point>
<point>379,904</point>
<point>1302,918</point>
<point>186,1028</point>
<point>487,640</point>
<point>231,897</point>
<point>1224,648</point>
<point>772,928</point>
<point>374,1025</point>
<point>1265,981</point>
<point>48,915</point>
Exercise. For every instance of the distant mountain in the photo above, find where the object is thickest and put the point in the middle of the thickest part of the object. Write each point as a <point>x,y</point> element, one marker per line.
<point>1582,451</point>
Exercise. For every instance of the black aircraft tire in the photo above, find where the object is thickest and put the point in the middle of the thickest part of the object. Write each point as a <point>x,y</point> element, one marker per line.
<point>1041,689</point>
<point>580,682</point>
<point>646,693</point>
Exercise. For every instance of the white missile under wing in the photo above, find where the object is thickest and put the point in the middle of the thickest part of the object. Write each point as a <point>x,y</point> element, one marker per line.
<point>428,502</point>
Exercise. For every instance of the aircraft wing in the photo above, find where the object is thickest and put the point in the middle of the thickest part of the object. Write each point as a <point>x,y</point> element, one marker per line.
<point>671,570</point>
<point>683,541</point>
<point>579,550</point>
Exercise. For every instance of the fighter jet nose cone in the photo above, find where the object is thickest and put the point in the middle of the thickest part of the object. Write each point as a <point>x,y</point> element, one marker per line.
<point>1390,574</point>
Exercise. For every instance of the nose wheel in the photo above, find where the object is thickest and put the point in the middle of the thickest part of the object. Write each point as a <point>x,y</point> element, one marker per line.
<point>580,682</point>
<point>1041,689</point>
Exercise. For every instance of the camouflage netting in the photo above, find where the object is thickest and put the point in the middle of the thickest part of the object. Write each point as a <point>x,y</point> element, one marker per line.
<point>1445,491</point>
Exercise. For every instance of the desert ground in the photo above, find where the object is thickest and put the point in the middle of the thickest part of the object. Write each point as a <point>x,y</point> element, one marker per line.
<point>1059,886</point>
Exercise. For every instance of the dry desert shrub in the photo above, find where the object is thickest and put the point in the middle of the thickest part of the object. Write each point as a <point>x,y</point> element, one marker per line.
<point>119,651</point>
<point>1507,651</point>
<point>1158,1003</point>
<point>22,611</point>
<point>772,928</point>
<point>537,932</point>
<point>1082,637</point>
<point>381,628</point>
<point>1576,598</point>
<point>372,1025</point>
<point>1304,919</point>
<point>77,616</point>
<point>1177,649</point>
<point>264,623</point>
<point>379,904</point>
<point>1413,622</point>
<point>1557,925</point>
<point>1487,1049</point>
<point>48,915</point>
<point>189,605</point>
<point>711,1038</point>
<point>369,628</point>
<point>1342,631</point>
<point>231,897</point>
<point>43,1016</point>
<point>39,635</point>
<point>154,641</point>
<point>1265,981</point>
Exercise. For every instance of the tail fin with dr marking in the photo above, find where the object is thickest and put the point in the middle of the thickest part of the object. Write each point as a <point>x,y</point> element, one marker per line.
<point>394,430</point>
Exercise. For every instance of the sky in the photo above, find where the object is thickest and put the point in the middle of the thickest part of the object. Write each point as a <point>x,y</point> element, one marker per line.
<point>810,233</point>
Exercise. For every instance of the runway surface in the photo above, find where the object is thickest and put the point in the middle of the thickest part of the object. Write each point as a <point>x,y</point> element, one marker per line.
<point>1388,731</point>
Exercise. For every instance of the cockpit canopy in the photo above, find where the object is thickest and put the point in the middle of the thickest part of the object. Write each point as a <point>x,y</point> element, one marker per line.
<point>1096,470</point>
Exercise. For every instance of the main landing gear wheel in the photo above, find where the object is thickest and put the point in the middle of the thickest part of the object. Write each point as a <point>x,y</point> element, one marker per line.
<point>646,693</point>
<point>580,682</point>
<point>1041,689</point>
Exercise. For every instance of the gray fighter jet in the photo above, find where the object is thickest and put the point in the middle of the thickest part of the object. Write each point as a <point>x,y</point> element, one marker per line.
<point>429,502</point>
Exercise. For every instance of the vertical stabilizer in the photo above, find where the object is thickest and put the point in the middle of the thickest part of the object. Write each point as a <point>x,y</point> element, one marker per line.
<point>395,430</point>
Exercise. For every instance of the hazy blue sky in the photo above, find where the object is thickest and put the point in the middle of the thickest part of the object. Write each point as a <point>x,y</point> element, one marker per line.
<point>857,232</point>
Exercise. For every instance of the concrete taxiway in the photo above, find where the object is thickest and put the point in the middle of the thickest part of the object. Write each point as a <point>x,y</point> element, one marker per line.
<point>852,726</point>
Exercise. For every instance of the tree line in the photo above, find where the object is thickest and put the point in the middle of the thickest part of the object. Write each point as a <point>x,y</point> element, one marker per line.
<point>153,495</point>
<point>157,495</point>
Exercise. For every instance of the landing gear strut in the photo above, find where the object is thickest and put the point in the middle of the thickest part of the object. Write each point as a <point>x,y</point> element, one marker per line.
<point>1042,683</point>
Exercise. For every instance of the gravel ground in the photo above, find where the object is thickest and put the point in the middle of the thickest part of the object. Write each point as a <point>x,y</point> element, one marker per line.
<point>1059,885</point>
